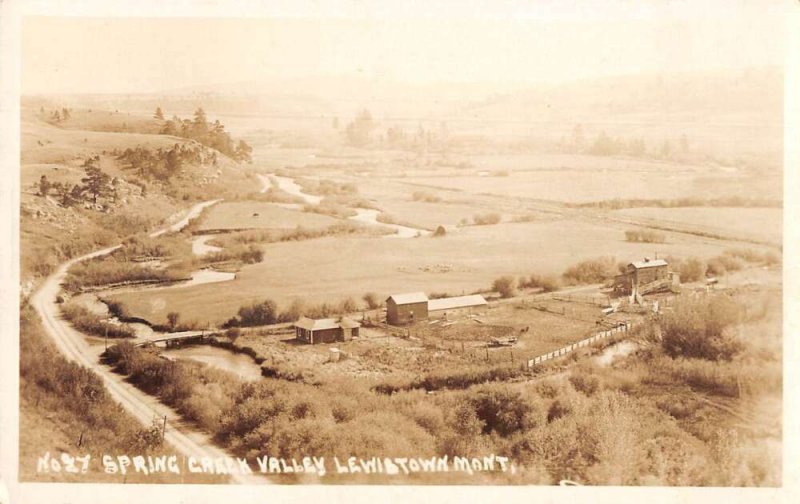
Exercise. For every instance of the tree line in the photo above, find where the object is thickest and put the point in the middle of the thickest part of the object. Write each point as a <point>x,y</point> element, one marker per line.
<point>604,144</point>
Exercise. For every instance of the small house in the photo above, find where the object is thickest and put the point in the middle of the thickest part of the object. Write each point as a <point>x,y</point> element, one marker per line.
<point>408,308</point>
<point>327,330</point>
<point>445,307</point>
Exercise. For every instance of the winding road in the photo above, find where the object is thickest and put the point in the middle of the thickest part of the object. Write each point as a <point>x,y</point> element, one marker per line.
<point>144,407</point>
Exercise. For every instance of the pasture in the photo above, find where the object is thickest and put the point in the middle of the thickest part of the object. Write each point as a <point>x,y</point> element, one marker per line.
<point>333,268</point>
<point>763,224</point>
<point>625,180</point>
<point>232,215</point>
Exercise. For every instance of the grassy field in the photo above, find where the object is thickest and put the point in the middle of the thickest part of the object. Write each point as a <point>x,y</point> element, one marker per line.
<point>624,180</point>
<point>330,269</point>
<point>255,215</point>
<point>45,143</point>
<point>764,224</point>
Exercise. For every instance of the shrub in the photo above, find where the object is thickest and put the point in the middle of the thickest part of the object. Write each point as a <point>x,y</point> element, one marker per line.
<point>104,272</point>
<point>502,410</point>
<point>558,409</point>
<point>172,319</point>
<point>440,231</point>
<point>296,309</point>
<point>372,300</point>
<point>696,328</point>
<point>546,283</point>
<point>329,207</point>
<point>85,321</point>
<point>645,236</point>
<point>426,197</point>
<point>690,270</point>
<point>263,313</point>
<point>233,334</point>
<point>486,219</point>
<point>586,383</point>
<point>506,286</point>
<point>249,254</point>
<point>595,270</point>
<point>146,246</point>
<point>348,305</point>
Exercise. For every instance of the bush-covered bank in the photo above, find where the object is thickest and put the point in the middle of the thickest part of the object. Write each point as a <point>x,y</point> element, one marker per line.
<point>298,234</point>
<point>63,402</point>
<point>104,271</point>
<point>89,323</point>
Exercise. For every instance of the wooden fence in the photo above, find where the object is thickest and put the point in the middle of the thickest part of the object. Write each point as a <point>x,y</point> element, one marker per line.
<point>623,328</point>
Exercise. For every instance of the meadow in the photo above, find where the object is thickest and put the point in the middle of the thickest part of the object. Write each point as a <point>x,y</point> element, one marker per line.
<point>611,178</point>
<point>236,215</point>
<point>763,224</point>
<point>333,268</point>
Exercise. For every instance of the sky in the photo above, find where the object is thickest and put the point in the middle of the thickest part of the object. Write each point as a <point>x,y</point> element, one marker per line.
<point>409,42</point>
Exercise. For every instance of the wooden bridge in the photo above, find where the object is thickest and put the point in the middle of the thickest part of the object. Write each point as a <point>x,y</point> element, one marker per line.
<point>180,338</point>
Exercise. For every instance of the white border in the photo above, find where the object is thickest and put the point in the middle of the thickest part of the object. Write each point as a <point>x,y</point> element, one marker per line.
<point>11,12</point>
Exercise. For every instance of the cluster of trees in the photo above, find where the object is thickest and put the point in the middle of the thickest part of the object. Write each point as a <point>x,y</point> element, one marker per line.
<point>211,135</point>
<point>358,131</point>
<point>696,329</point>
<point>95,184</point>
<point>694,269</point>
<point>363,130</point>
<point>606,145</point>
<point>596,270</point>
<point>507,286</point>
<point>267,312</point>
<point>163,164</point>
<point>57,116</point>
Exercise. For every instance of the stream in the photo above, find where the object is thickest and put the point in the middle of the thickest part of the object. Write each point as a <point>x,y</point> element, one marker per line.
<point>239,364</point>
<point>621,349</point>
<point>369,216</point>
<point>200,247</point>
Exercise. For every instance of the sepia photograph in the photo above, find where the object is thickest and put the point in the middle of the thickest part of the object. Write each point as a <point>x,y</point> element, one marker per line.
<point>529,244</point>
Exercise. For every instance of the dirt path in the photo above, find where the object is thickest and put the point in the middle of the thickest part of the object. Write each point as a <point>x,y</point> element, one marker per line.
<point>144,407</point>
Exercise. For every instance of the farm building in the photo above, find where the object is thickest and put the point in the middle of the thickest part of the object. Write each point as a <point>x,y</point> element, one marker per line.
<point>445,307</point>
<point>404,309</point>
<point>642,277</point>
<point>329,330</point>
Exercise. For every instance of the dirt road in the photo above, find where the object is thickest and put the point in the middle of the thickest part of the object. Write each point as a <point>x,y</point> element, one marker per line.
<point>188,441</point>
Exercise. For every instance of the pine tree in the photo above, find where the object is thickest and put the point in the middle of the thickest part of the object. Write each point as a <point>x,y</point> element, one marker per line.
<point>96,182</point>
<point>44,186</point>
<point>244,151</point>
<point>159,114</point>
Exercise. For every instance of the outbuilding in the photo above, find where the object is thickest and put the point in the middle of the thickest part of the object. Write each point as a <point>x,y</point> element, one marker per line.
<point>444,307</point>
<point>402,309</point>
<point>327,330</point>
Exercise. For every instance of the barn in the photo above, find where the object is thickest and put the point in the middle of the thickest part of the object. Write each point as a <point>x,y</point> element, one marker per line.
<point>327,330</point>
<point>404,309</point>
<point>453,306</point>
